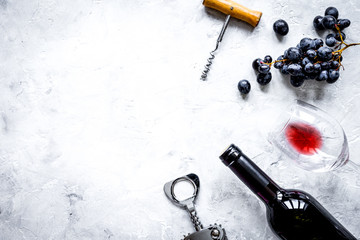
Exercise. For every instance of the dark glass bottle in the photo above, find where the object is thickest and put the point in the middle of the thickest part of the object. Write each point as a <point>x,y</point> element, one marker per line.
<point>292,214</point>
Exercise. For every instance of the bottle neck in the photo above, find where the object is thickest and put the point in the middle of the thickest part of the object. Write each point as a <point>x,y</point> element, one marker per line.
<point>249,173</point>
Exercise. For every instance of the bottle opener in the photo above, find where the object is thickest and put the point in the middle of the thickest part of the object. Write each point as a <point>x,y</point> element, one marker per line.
<point>212,232</point>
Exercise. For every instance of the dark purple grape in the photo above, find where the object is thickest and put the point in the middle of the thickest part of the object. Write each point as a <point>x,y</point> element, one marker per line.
<point>264,79</point>
<point>324,53</point>
<point>332,11</point>
<point>285,53</point>
<point>334,64</point>
<point>263,68</point>
<point>305,61</point>
<point>323,76</point>
<point>281,27</point>
<point>311,53</point>
<point>268,59</point>
<point>284,69</point>
<point>330,40</point>
<point>317,23</point>
<point>309,68</point>
<point>328,22</point>
<point>317,67</point>
<point>293,54</point>
<point>279,64</point>
<point>256,63</point>
<point>244,86</point>
<point>306,43</point>
<point>325,65</point>
<point>296,81</point>
<point>343,23</point>
<point>318,43</point>
<point>295,69</point>
<point>337,36</point>
<point>333,76</point>
<point>338,58</point>
<point>312,45</point>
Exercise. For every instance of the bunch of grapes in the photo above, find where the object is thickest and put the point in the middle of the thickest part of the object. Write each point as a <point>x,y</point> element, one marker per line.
<point>310,59</point>
<point>330,20</point>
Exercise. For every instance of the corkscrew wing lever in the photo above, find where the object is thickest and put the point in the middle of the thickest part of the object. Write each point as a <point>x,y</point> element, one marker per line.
<point>212,232</point>
<point>189,203</point>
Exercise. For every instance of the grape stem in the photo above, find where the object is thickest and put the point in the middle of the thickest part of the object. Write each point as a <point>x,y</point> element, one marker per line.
<point>342,42</point>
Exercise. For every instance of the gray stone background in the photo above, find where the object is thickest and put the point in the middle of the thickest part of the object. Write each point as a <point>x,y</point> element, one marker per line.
<point>101,104</point>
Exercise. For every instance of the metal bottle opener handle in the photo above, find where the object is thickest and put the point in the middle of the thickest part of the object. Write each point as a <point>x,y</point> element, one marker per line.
<point>213,232</point>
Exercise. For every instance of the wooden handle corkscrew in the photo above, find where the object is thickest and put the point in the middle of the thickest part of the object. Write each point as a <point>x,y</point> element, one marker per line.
<point>235,10</point>
<point>231,9</point>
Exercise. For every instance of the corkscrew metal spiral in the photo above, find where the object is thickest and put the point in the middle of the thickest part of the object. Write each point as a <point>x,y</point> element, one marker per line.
<point>212,53</point>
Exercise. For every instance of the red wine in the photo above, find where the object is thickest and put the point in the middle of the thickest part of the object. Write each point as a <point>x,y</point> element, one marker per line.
<point>304,138</point>
<point>291,214</point>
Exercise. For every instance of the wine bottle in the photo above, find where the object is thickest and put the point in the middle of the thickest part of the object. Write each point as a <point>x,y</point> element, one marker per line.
<point>291,214</point>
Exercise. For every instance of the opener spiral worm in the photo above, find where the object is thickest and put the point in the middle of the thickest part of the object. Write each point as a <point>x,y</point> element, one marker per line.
<point>212,53</point>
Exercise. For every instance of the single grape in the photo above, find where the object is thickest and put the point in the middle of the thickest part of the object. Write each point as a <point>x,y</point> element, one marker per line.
<point>309,68</point>
<point>334,64</point>
<point>330,40</point>
<point>312,45</point>
<point>318,43</point>
<point>244,86</point>
<point>293,54</point>
<point>323,76</point>
<point>264,79</point>
<point>317,67</point>
<point>325,53</point>
<point>337,36</point>
<point>296,81</point>
<point>311,53</point>
<point>263,68</point>
<point>279,64</point>
<point>305,44</point>
<point>284,69</point>
<point>285,53</point>
<point>343,23</point>
<point>317,23</point>
<point>305,61</point>
<point>325,65</point>
<point>333,76</point>
<point>328,22</point>
<point>332,11</point>
<point>295,69</point>
<point>256,63</point>
<point>268,59</point>
<point>281,27</point>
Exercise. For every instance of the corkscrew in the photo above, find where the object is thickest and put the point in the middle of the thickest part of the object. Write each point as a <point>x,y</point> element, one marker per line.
<point>212,232</point>
<point>212,53</point>
<point>231,9</point>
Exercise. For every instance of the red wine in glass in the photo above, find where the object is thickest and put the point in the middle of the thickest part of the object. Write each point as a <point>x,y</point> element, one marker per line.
<point>310,138</point>
<point>304,138</point>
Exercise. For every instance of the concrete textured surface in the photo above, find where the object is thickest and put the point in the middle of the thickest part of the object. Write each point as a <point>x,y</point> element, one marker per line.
<point>101,105</point>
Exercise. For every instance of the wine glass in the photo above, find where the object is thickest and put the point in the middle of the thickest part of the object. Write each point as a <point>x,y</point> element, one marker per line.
<point>311,138</point>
